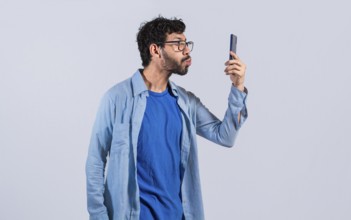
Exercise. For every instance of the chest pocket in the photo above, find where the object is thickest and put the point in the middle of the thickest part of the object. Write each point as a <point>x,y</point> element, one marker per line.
<point>122,127</point>
<point>120,138</point>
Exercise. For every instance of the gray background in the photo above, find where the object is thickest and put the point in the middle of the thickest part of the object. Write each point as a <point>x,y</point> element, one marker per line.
<point>292,159</point>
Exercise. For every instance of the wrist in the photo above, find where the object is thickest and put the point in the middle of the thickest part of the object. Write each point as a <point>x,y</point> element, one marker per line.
<point>239,87</point>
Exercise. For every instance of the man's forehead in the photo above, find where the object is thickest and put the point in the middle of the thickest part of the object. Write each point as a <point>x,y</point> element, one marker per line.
<point>176,36</point>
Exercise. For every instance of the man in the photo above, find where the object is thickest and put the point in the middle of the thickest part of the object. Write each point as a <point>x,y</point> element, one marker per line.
<point>146,128</point>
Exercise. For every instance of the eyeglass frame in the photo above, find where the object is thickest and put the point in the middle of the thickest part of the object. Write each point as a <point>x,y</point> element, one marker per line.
<point>178,42</point>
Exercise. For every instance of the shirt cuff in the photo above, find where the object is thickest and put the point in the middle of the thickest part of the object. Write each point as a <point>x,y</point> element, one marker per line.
<point>237,97</point>
<point>237,102</point>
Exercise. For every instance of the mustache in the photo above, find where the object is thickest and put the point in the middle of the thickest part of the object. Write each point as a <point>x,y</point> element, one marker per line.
<point>185,58</point>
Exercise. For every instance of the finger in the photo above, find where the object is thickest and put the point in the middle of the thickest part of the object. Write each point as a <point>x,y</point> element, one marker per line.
<point>234,66</point>
<point>230,69</point>
<point>233,62</point>
<point>234,72</point>
<point>236,58</point>
<point>234,55</point>
<point>236,62</point>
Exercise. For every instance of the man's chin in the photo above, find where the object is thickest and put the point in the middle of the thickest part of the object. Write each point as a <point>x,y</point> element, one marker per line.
<point>182,72</point>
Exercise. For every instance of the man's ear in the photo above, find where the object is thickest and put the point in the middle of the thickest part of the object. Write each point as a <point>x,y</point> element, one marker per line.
<point>155,50</point>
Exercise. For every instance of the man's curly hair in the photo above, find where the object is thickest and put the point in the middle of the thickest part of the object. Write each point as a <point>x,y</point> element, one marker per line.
<point>156,31</point>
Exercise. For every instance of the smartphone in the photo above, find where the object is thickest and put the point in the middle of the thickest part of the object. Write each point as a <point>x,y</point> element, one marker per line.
<point>233,41</point>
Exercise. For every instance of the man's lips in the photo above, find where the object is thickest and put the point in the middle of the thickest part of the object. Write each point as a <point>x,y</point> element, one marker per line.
<point>188,61</point>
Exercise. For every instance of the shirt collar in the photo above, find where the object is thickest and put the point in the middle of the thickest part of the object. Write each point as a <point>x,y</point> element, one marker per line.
<point>138,83</point>
<point>174,88</point>
<point>139,86</point>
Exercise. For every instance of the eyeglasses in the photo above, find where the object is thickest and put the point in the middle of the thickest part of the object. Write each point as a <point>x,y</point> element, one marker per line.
<point>182,44</point>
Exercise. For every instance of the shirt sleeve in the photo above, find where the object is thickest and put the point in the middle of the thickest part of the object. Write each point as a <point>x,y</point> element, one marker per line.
<point>99,147</point>
<point>222,132</point>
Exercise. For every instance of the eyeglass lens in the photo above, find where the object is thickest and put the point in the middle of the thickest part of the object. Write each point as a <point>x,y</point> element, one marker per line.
<point>182,45</point>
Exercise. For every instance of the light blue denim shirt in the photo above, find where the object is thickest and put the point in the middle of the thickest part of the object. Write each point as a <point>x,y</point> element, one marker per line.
<point>113,194</point>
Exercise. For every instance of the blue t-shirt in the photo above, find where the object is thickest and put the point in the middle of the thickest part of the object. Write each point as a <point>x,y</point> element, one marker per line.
<point>158,160</point>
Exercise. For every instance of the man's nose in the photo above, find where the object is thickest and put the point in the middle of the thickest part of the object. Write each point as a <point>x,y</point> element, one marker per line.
<point>186,50</point>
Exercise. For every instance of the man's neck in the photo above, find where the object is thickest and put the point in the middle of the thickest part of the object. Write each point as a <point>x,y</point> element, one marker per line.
<point>155,80</point>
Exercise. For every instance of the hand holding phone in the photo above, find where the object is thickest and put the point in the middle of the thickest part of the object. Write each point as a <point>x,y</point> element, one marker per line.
<point>233,41</point>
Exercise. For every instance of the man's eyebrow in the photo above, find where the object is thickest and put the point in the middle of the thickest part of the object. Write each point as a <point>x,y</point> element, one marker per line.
<point>179,38</point>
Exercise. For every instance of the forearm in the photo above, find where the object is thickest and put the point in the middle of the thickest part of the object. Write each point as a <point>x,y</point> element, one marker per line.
<point>223,132</point>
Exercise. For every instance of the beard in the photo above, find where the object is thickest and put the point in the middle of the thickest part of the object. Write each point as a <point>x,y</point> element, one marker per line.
<point>173,66</point>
